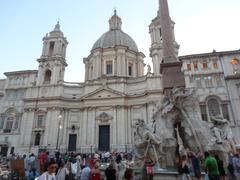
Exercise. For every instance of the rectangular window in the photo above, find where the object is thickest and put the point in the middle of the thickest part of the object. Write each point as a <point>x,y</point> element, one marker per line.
<point>205,65</point>
<point>198,82</point>
<point>215,65</point>
<point>160,33</point>
<point>225,111</point>
<point>195,65</point>
<point>208,81</point>
<point>130,69</point>
<point>189,67</point>
<point>9,124</point>
<point>190,79</point>
<point>51,48</point>
<point>203,112</point>
<point>40,120</point>
<point>219,80</point>
<point>109,68</point>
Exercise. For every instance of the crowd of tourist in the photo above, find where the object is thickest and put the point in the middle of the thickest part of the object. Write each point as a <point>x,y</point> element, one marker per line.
<point>190,166</point>
<point>119,166</point>
<point>72,166</point>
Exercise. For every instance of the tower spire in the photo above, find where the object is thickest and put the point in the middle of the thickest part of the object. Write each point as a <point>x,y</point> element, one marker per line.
<point>169,53</point>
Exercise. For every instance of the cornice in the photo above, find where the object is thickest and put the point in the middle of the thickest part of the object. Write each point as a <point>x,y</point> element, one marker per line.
<point>222,53</point>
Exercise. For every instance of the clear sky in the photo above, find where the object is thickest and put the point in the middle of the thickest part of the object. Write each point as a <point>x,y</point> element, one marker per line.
<point>201,26</point>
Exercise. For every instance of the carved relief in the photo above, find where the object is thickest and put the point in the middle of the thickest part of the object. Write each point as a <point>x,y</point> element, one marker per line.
<point>104,117</point>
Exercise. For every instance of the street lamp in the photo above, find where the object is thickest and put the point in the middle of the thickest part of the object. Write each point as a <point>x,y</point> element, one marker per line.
<point>59,128</point>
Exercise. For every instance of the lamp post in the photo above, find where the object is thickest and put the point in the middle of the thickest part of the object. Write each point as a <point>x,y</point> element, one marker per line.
<point>59,128</point>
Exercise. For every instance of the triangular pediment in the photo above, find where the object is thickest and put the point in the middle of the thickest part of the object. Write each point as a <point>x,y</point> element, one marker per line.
<point>104,93</point>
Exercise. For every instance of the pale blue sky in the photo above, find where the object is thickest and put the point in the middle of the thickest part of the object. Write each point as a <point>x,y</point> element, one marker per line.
<point>201,26</point>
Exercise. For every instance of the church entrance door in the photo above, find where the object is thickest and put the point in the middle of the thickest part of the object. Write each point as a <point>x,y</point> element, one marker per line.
<point>4,150</point>
<point>72,142</point>
<point>104,138</point>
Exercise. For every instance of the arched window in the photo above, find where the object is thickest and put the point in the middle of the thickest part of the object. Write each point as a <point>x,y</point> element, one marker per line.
<point>51,48</point>
<point>37,139</point>
<point>213,107</point>
<point>10,121</point>
<point>10,115</point>
<point>47,77</point>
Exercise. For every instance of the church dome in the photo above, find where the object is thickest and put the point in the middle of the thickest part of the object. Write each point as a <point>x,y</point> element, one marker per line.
<point>115,36</point>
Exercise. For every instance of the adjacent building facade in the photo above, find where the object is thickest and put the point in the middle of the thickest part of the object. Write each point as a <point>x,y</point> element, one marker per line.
<point>39,110</point>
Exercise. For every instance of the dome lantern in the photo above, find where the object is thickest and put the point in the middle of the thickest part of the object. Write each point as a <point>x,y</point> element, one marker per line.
<point>115,22</point>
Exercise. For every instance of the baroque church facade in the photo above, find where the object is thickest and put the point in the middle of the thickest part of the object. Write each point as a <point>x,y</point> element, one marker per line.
<point>39,110</point>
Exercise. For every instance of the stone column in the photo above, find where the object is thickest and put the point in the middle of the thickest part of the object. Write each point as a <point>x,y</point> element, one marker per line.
<point>124,64</point>
<point>93,120</point>
<point>65,121</point>
<point>125,119</point>
<point>84,125</point>
<point>89,126</point>
<point>119,68</point>
<point>129,125</point>
<point>94,68</point>
<point>54,73</point>
<point>98,64</point>
<point>46,132</point>
<point>114,132</point>
<point>44,49</point>
<point>115,66</point>
<point>53,128</point>
<point>26,128</point>
<point>134,69</point>
<point>156,63</point>
<point>123,125</point>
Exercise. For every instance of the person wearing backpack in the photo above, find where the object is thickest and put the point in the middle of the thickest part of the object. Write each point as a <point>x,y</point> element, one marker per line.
<point>236,162</point>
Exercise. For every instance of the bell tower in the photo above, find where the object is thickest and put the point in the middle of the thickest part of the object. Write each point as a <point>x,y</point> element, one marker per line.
<point>163,43</point>
<point>52,62</point>
<point>164,50</point>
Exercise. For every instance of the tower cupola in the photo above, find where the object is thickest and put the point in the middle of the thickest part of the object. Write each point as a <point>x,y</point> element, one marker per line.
<point>115,22</point>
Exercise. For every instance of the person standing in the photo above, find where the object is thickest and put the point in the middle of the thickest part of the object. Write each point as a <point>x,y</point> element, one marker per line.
<point>86,173</point>
<point>236,162</point>
<point>62,172</point>
<point>95,172</point>
<point>149,163</point>
<point>50,173</point>
<point>195,161</point>
<point>183,168</point>
<point>221,169</point>
<point>42,160</point>
<point>128,175</point>
<point>211,167</point>
<point>33,174</point>
<point>111,172</point>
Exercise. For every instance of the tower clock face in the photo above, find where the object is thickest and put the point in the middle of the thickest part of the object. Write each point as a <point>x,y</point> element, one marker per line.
<point>236,65</point>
